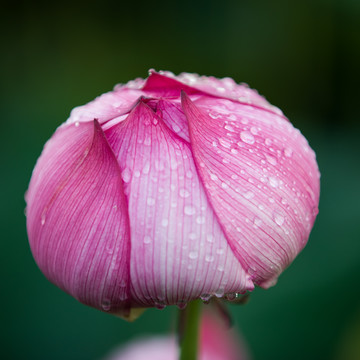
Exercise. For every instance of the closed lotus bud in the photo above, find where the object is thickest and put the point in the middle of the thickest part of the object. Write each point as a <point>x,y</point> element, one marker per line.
<point>171,189</point>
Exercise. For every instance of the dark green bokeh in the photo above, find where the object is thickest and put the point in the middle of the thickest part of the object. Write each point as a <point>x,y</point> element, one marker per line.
<point>303,56</point>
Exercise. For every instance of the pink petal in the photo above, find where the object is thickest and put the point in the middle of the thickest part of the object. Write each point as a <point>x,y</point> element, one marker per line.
<point>110,106</point>
<point>77,218</point>
<point>165,86</point>
<point>261,179</point>
<point>178,250</point>
<point>165,83</point>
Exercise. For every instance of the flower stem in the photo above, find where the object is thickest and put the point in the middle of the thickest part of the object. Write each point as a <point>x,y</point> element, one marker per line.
<point>189,330</point>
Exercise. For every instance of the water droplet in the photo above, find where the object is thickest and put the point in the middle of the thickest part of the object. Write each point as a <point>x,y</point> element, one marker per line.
<point>213,177</point>
<point>43,218</point>
<point>77,124</point>
<point>247,137</point>
<point>209,258</point>
<point>219,293</point>
<point>271,159</point>
<point>160,305</point>
<point>189,174</point>
<point>225,143</point>
<point>184,193</point>
<point>268,142</point>
<point>173,164</point>
<point>146,168</point>
<point>220,251</point>
<point>231,296</point>
<point>288,152</point>
<point>200,220</point>
<point>273,182</point>
<point>176,128</point>
<point>147,239</point>
<point>164,222</point>
<point>147,141</point>
<point>189,210</point>
<point>150,201</point>
<point>137,173</point>
<point>257,222</point>
<point>210,238</point>
<point>224,185</point>
<point>214,116</point>
<point>126,175</point>
<point>192,236</point>
<point>106,305</point>
<point>229,127</point>
<point>193,255</point>
<point>278,218</point>
<point>254,130</point>
<point>249,195</point>
<point>234,151</point>
<point>181,305</point>
<point>205,298</point>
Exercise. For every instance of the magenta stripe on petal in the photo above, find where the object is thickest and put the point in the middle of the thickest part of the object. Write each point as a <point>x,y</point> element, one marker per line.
<point>178,250</point>
<point>77,218</point>
<point>261,179</point>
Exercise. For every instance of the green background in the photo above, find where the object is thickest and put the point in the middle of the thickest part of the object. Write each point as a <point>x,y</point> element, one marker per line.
<point>304,56</point>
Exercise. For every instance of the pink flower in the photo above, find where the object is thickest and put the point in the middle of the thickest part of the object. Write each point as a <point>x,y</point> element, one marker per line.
<point>216,342</point>
<point>169,189</point>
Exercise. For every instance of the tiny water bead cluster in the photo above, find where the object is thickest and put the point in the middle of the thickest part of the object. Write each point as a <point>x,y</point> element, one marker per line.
<point>170,189</point>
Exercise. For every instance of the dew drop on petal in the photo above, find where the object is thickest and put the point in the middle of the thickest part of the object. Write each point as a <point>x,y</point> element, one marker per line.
<point>193,255</point>
<point>247,137</point>
<point>210,238</point>
<point>278,218</point>
<point>205,298</point>
<point>150,201</point>
<point>219,293</point>
<point>200,220</point>
<point>106,305</point>
<point>273,182</point>
<point>164,222</point>
<point>231,296</point>
<point>160,305</point>
<point>225,143</point>
<point>249,195</point>
<point>288,152</point>
<point>271,160</point>
<point>192,236</point>
<point>189,210</point>
<point>184,193</point>
<point>147,239</point>
<point>126,175</point>
<point>181,305</point>
<point>189,174</point>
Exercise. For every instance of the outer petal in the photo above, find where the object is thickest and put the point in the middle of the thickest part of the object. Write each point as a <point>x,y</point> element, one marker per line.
<point>261,179</point>
<point>77,218</point>
<point>178,249</point>
<point>110,106</point>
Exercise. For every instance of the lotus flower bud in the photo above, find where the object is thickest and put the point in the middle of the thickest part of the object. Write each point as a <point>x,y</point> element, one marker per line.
<point>169,189</point>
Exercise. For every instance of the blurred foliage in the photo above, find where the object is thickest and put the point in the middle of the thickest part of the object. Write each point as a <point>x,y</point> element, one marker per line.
<point>303,56</point>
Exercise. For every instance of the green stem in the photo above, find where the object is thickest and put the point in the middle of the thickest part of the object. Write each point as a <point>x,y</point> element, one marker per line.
<point>189,330</point>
